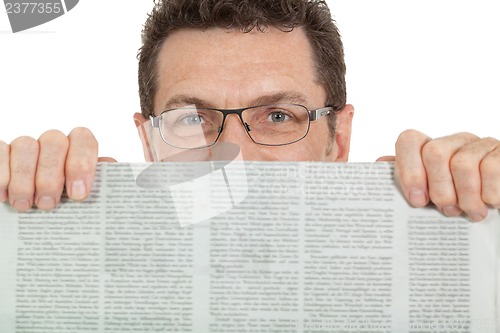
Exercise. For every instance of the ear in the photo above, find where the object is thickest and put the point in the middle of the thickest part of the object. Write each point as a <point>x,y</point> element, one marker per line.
<point>343,132</point>
<point>140,121</point>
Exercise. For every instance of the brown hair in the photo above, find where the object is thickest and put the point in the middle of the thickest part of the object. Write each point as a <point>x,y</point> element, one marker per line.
<point>245,15</point>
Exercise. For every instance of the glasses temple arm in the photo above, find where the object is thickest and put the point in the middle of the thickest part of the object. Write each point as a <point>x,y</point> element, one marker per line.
<point>155,121</point>
<point>318,113</point>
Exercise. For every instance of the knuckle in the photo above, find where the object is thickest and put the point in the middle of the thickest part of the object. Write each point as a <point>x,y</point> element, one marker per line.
<point>54,143</point>
<point>434,152</point>
<point>24,156</point>
<point>52,164</point>
<point>25,143</point>
<point>490,174</point>
<point>469,189</point>
<point>490,140</point>
<point>462,163</point>
<point>4,158</point>
<point>3,145</point>
<point>82,132</point>
<point>469,199</point>
<point>23,170</point>
<point>78,165</point>
<point>490,166</point>
<point>442,197</point>
<point>470,207</point>
<point>491,198</point>
<point>410,177</point>
<point>82,139</point>
<point>410,135</point>
<point>52,136</point>
<point>4,180</point>
<point>19,188</point>
<point>49,185</point>
<point>466,135</point>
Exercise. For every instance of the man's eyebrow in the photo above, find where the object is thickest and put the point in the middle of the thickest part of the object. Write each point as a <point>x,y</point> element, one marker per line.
<point>184,100</point>
<point>280,97</point>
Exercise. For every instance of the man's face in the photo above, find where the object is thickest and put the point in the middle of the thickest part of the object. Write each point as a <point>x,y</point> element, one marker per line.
<point>229,70</point>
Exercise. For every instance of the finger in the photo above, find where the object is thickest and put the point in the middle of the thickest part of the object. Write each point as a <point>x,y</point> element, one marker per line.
<point>410,170</point>
<point>465,168</point>
<point>437,155</point>
<point>80,163</point>
<point>23,164</point>
<point>4,170</point>
<point>106,159</point>
<point>490,177</point>
<point>49,180</point>
<point>386,159</point>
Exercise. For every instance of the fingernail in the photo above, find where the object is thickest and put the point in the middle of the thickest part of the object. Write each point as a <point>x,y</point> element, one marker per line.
<point>46,203</point>
<point>451,210</point>
<point>21,205</point>
<point>417,198</point>
<point>78,190</point>
<point>477,217</point>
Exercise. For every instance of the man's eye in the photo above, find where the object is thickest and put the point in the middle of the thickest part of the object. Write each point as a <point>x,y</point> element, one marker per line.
<point>192,120</point>
<point>278,117</point>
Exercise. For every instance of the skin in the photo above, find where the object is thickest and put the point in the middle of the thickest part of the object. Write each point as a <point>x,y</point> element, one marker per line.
<point>225,78</point>
<point>458,173</point>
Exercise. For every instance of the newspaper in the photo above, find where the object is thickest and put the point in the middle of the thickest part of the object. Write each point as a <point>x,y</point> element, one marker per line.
<point>246,247</point>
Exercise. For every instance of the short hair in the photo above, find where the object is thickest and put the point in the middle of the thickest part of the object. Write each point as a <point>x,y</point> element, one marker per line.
<point>313,16</point>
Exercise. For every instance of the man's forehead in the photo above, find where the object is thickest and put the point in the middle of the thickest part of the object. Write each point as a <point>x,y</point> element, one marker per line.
<point>192,47</point>
<point>221,62</point>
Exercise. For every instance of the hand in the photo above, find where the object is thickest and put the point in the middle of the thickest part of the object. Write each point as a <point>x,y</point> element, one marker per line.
<point>34,172</point>
<point>458,173</point>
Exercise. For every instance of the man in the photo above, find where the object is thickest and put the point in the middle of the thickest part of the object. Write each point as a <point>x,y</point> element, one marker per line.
<point>286,57</point>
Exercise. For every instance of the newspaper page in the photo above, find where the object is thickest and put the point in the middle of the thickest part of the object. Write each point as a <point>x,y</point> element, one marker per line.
<point>246,247</point>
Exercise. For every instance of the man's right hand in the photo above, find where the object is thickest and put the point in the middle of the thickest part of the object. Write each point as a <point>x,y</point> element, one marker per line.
<point>34,172</point>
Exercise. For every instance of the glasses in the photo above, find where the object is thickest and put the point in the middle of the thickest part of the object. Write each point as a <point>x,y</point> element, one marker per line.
<point>269,125</point>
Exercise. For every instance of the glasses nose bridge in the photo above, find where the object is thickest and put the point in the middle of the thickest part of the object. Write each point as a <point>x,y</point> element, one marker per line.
<point>238,112</point>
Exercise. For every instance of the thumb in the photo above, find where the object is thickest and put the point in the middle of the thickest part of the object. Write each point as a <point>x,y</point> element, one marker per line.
<point>106,159</point>
<point>386,159</point>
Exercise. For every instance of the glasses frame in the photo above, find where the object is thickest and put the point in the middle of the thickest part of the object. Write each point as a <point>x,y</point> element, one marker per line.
<point>314,115</point>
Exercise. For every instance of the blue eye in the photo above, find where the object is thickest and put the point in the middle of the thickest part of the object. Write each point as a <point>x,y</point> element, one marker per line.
<point>278,117</point>
<point>192,120</point>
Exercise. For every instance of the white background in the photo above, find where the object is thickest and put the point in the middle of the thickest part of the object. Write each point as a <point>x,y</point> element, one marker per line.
<point>430,65</point>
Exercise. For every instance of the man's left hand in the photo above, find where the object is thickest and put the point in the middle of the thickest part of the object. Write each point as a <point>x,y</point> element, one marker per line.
<point>458,173</point>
